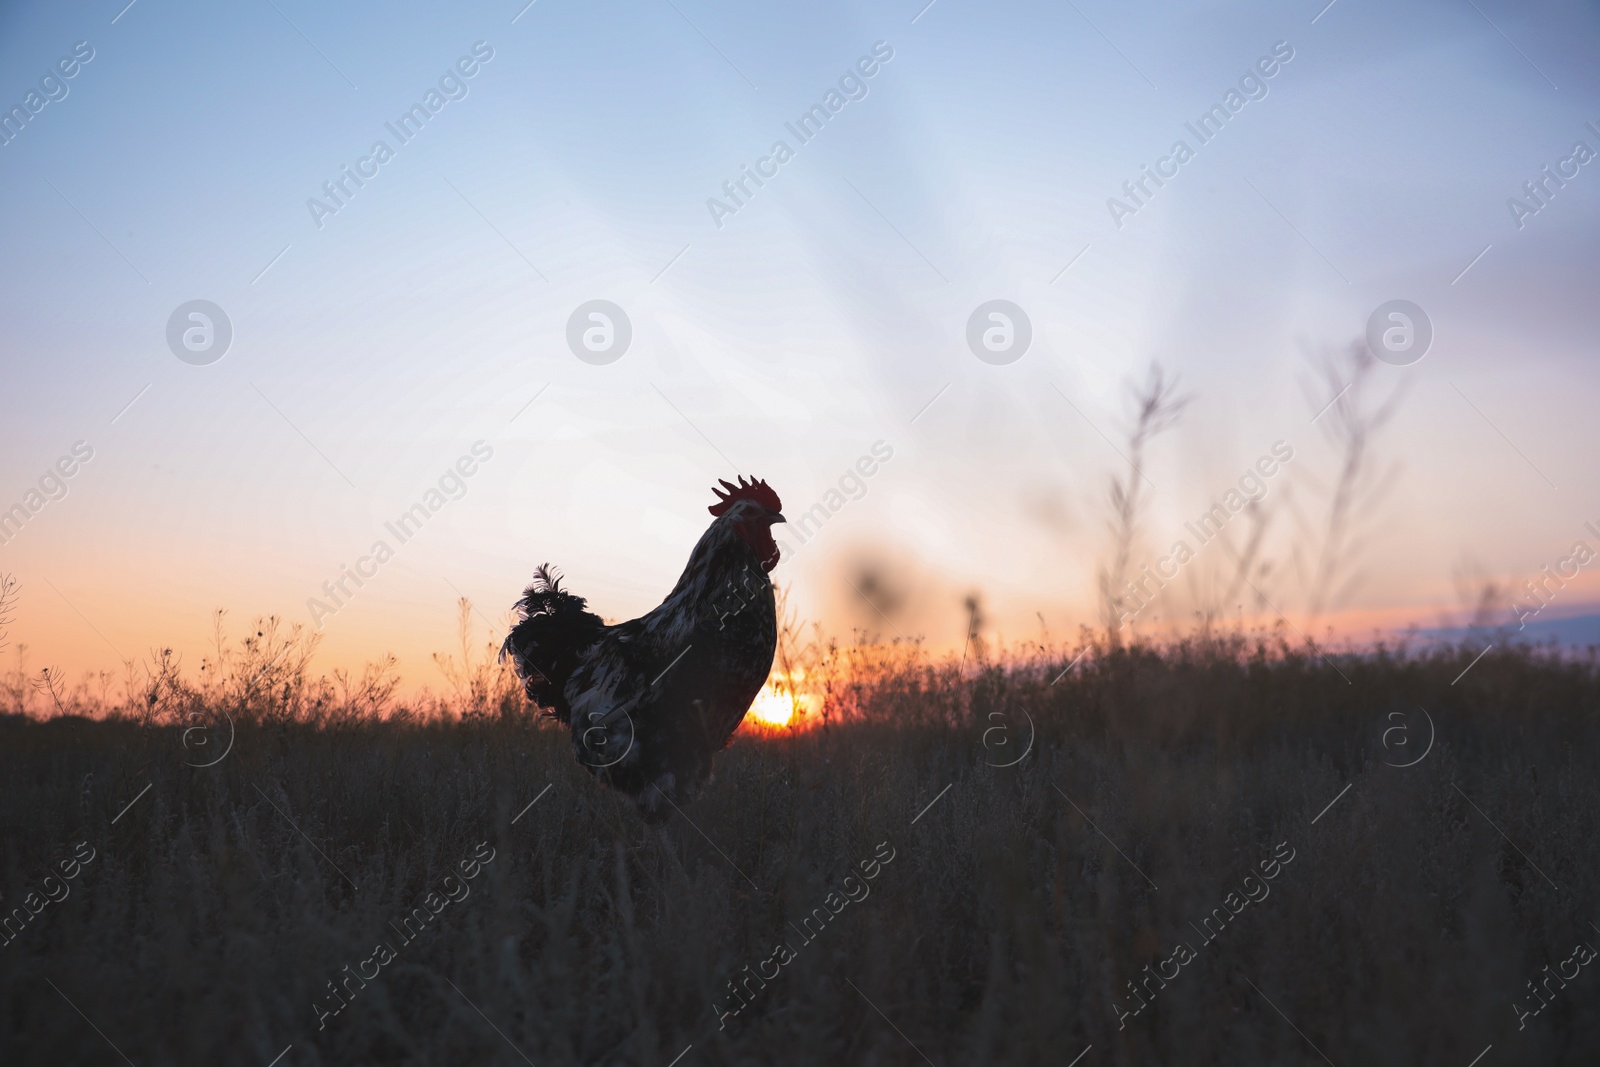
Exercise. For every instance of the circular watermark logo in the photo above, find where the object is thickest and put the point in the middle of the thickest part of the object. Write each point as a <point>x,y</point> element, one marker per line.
<point>599,746</point>
<point>1399,333</point>
<point>999,332</point>
<point>1407,736</point>
<point>203,740</point>
<point>199,332</point>
<point>998,740</point>
<point>599,332</point>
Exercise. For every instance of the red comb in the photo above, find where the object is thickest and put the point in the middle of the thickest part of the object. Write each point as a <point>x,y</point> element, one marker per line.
<point>758,491</point>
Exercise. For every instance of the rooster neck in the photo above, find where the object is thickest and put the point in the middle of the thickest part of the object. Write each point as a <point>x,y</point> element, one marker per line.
<point>722,576</point>
<point>721,562</point>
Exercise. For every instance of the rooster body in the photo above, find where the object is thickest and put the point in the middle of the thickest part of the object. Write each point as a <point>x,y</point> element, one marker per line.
<point>649,701</point>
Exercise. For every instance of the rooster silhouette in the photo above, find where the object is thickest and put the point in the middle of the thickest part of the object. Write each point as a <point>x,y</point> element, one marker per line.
<point>650,701</point>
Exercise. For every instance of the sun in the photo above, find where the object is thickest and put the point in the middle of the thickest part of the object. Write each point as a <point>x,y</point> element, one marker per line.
<point>782,703</point>
<point>772,708</point>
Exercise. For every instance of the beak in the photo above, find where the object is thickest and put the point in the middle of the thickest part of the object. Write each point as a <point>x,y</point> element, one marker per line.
<point>779,518</point>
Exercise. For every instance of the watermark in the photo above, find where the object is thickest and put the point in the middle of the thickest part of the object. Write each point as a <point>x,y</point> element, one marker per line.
<point>852,86</point>
<point>1540,592</point>
<point>199,741</point>
<point>1542,189</point>
<point>740,592</point>
<point>602,736</point>
<point>451,486</point>
<point>852,485</point>
<point>455,889</point>
<point>599,332</point>
<point>53,889</point>
<point>341,189</point>
<point>744,986</point>
<point>1253,889</point>
<point>997,739</point>
<point>52,486</point>
<point>1541,995</point>
<point>999,332</point>
<point>1253,484</point>
<point>53,88</point>
<point>1397,738</point>
<point>1252,86</point>
<point>1399,332</point>
<point>199,332</point>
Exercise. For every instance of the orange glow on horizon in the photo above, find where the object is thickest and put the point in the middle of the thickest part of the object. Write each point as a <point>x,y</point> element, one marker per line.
<point>772,708</point>
<point>778,705</point>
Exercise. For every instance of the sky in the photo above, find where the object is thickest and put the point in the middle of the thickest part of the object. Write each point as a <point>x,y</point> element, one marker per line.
<point>359,351</point>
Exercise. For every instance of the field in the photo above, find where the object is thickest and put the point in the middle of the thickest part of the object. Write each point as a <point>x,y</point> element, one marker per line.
<point>1239,798</point>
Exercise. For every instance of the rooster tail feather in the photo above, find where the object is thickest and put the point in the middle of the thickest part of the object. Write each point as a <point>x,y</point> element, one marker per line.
<point>544,596</point>
<point>545,646</point>
<point>545,580</point>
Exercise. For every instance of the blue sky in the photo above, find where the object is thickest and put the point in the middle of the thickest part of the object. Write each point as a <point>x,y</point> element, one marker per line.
<point>372,352</point>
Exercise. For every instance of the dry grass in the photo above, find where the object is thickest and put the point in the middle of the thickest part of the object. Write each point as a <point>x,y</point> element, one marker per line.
<point>221,903</point>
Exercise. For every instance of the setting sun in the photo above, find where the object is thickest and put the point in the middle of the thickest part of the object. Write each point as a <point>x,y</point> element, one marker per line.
<point>772,708</point>
<point>779,705</point>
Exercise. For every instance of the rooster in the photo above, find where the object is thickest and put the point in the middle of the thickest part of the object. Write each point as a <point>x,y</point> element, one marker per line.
<point>649,701</point>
